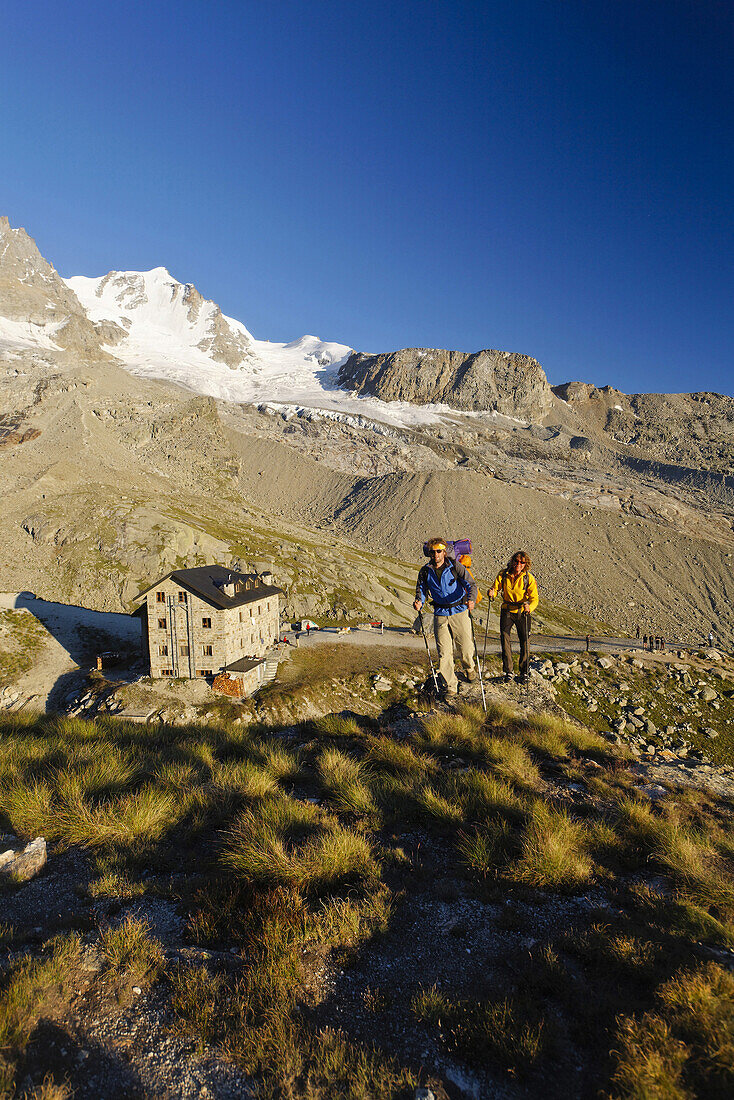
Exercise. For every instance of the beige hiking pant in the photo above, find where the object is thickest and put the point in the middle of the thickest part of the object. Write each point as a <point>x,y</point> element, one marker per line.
<point>448,629</point>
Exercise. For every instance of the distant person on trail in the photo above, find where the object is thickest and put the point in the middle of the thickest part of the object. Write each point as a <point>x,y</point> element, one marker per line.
<point>638,633</point>
<point>308,629</point>
<point>519,590</point>
<point>711,639</point>
<point>453,593</point>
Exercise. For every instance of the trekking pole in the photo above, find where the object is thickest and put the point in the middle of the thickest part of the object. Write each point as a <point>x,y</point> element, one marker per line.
<point>527,649</point>
<point>428,651</point>
<point>486,632</point>
<point>479,667</point>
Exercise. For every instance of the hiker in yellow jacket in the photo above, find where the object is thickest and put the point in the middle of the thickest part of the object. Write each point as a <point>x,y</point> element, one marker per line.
<point>519,591</point>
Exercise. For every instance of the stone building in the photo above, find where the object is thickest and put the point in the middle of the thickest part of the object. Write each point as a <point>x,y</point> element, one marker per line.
<point>210,619</point>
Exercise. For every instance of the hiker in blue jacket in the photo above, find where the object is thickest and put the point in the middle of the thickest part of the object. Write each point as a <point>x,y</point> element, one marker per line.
<point>453,593</point>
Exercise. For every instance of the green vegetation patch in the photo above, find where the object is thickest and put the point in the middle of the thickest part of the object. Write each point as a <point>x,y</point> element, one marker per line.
<point>22,637</point>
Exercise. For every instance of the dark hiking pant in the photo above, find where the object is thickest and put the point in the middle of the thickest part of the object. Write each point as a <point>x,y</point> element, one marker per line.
<point>521,622</point>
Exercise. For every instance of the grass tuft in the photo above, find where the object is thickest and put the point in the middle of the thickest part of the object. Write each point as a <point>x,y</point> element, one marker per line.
<point>553,854</point>
<point>132,953</point>
<point>344,782</point>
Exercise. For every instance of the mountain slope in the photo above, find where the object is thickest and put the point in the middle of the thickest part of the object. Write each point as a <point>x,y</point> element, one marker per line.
<point>109,479</point>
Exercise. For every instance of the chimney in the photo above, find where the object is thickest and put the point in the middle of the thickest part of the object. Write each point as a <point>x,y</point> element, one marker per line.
<point>229,588</point>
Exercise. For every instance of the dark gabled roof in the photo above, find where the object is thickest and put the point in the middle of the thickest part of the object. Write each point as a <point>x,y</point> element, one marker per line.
<point>204,581</point>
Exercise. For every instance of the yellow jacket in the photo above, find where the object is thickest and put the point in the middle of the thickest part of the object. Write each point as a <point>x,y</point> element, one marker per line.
<point>515,592</point>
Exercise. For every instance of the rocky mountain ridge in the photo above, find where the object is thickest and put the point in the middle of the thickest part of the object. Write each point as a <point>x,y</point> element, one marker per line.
<point>500,381</point>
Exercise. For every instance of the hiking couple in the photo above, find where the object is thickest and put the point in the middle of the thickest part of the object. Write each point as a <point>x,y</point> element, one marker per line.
<point>453,592</point>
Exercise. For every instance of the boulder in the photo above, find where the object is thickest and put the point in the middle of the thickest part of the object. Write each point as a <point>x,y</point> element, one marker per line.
<point>21,862</point>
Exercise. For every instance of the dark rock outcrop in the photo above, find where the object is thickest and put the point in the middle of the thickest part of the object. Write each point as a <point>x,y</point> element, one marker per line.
<point>511,384</point>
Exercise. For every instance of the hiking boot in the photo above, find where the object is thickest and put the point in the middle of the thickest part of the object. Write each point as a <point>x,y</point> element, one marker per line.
<point>507,678</point>
<point>468,675</point>
<point>523,678</point>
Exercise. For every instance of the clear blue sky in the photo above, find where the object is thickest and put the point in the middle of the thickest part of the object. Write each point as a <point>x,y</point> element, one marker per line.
<point>553,177</point>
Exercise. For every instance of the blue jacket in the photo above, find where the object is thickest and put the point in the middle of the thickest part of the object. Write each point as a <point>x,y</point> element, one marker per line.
<point>450,591</point>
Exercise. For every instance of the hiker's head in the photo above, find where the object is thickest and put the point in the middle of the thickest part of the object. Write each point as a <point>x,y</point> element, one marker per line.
<point>519,562</point>
<point>436,551</point>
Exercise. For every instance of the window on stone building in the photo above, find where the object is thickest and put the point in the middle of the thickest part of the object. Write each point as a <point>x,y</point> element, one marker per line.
<point>208,650</point>
<point>161,624</point>
<point>160,597</point>
<point>204,672</point>
<point>166,672</point>
<point>183,650</point>
<point>162,650</point>
<point>206,623</point>
<point>182,597</point>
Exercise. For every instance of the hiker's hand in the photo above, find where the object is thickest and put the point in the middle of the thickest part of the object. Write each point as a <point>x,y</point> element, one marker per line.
<point>470,604</point>
<point>526,608</point>
<point>417,605</point>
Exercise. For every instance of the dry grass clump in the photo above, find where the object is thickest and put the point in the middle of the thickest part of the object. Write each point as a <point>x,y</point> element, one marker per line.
<point>336,725</point>
<point>114,884</point>
<point>510,1031</point>
<point>132,953</point>
<point>489,848</point>
<point>680,916</point>
<point>510,760</point>
<point>450,731</point>
<point>683,852</point>
<point>686,1048</point>
<point>438,809</point>
<point>555,737</point>
<point>295,844</point>
<point>546,734</point>
<point>620,951</point>
<point>139,817</point>
<point>49,1090</point>
<point>344,781</point>
<point>29,808</point>
<point>385,754</point>
<point>501,715</point>
<point>26,990</point>
<point>486,795</point>
<point>553,852</point>
<point>250,1018</point>
<point>252,781</point>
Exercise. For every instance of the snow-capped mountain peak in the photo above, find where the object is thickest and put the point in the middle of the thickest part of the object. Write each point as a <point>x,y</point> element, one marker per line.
<point>157,314</point>
<point>158,327</point>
